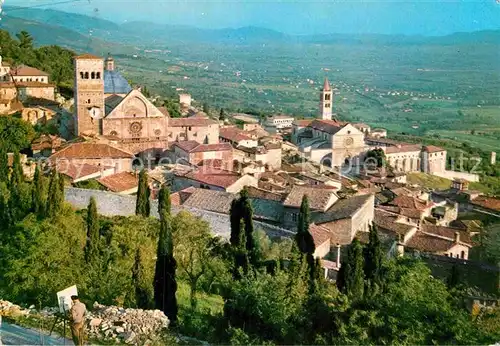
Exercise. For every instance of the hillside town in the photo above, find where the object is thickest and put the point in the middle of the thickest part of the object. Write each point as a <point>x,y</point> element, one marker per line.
<point>111,135</point>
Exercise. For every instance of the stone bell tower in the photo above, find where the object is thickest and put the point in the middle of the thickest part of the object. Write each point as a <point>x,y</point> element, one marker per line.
<point>326,100</point>
<point>89,95</point>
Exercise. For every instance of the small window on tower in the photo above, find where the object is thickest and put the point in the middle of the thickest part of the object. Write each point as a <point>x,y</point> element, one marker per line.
<point>82,75</point>
<point>327,97</point>
<point>88,101</point>
<point>327,105</point>
<point>86,75</point>
<point>92,75</point>
<point>98,75</point>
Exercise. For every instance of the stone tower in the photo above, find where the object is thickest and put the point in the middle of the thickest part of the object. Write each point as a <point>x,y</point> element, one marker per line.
<point>325,102</point>
<point>89,95</point>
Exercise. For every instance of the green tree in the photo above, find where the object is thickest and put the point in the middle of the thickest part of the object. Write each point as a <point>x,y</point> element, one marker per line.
<point>4,164</point>
<point>17,175</point>
<point>206,108</point>
<point>15,134</point>
<point>142,291</point>
<point>55,197</point>
<point>222,115</point>
<point>93,237</point>
<point>25,40</point>
<point>38,203</point>
<point>304,239</point>
<point>143,204</point>
<point>164,203</point>
<point>165,284</point>
<point>351,275</point>
<point>373,259</point>
<point>235,221</point>
<point>173,108</point>
<point>378,155</point>
<point>247,217</point>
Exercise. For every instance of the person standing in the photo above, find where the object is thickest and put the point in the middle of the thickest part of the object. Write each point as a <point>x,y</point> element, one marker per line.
<point>77,317</point>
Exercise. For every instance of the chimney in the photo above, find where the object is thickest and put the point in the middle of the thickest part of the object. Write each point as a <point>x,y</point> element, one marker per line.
<point>338,255</point>
<point>457,237</point>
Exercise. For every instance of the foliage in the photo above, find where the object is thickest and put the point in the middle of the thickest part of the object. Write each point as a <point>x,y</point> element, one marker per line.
<point>38,201</point>
<point>373,259</point>
<point>93,236</point>
<point>378,155</point>
<point>304,239</point>
<point>173,108</point>
<point>351,274</point>
<point>143,291</point>
<point>164,203</point>
<point>55,198</point>
<point>143,206</point>
<point>4,164</point>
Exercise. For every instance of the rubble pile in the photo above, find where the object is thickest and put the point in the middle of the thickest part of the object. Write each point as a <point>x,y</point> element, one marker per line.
<point>125,325</point>
<point>12,310</point>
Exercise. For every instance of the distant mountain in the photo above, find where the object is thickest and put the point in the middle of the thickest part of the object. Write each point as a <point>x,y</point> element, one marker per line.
<point>148,34</point>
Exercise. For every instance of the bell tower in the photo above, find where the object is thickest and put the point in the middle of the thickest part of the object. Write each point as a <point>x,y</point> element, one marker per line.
<point>89,95</point>
<point>326,100</point>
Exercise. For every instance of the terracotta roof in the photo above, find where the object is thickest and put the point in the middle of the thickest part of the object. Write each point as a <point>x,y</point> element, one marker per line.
<point>410,203</point>
<point>34,85</point>
<point>344,208</point>
<point>328,264</point>
<point>212,147</point>
<point>7,85</point>
<point>76,171</point>
<point>233,134</point>
<point>411,213</point>
<point>212,163</point>
<point>447,232</point>
<point>388,221</point>
<point>187,145</point>
<point>303,122</point>
<point>255,192</point>
<point>428,243</point>
<point>91,151</point>
<point>220,178</point>
<point>211,200</point>
<point>120,182</point>
<point>318,198</point>
<point>24,70</point>
<point>328,126</point>
<point>320,234</point>
<point>433,149</point>
<point>487,202</point>
<point>194,122</point>
<point>87,57</point>
<point>179,197</point>
<point>403,148</point>
<point>326,85</point>
<point>47,142</point>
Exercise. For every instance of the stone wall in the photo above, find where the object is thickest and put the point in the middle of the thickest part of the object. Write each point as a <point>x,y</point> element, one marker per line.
<point>110,204</point>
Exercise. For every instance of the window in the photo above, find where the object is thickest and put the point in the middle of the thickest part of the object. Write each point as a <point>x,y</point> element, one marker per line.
<point>462,254</point>
<point>88,101</point>
<point>327,97</point>
<point>92,75</point>
<point>82,76</point>
<point>327,105</point>
<point>86,75</point>
<point>98,75</point>
<point>295,217</point>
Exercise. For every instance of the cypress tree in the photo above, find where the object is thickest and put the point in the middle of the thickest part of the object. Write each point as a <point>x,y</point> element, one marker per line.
<point>142,294</point>
<point>247,217</point>
<point>303,238</point>
<point>351,274</point>
<point>55,197</point>
<point>454,278</point>
<point>373,258</point>
<point>37,192</point>
<point>164,203</point>
<point>165,284</point>
<point>4,165</point>
<point>241,260</point>
<point>235,220</point>
<point>93,237</point>
<point>142,206</point>
<point>17,175</point>
<point>6,218</point>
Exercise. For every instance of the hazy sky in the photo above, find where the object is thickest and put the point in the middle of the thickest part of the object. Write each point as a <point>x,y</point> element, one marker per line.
<point>426,17</point>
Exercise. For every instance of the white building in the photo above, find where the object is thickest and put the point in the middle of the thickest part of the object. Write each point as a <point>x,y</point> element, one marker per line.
<point>281,121</point>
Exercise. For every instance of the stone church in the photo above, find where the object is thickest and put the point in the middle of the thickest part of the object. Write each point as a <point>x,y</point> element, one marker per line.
<point>327,140</point>
<point>108,108</point>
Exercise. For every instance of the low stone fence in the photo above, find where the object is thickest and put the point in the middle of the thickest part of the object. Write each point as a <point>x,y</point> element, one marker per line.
<point>111,204</point>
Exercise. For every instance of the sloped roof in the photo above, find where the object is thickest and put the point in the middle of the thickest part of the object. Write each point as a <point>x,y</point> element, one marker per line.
<point>47,142</point>
<point>211,200</point>
<point>91,151</point>
<point>320,234</point>
<point>233,134</point>
<point>328,126</point>
<point>487,202</point>
<point>120,182</point>
<point>195,147</point>
<point>111,102</point>
<point>187,145</point>
<point>216,177</point>
<point>255,192</point>
<point>303,122</point>
<point>403,148</point>
<point>87,57</point>
<point>318,198</point>
<point>388,221</point>
<point>428,243</point>
<point>447,232</point>
<point>194,122</point>
<point>33,84</point>
<point>24,70</point>
<point>326,85</point>
<point>433,149</point>
<point>115,83</point>
<point>344,208</point>
<point>410,203</point>
<point>76,171</point>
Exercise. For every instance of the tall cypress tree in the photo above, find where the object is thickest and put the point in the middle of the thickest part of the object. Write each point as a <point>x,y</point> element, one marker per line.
<point>351,274</point>
<point>304,239</point>
<point>4,165</point>
<point>142,206</point>
<point>37,203</point>
<point>142,294</point>
<point>17,176</point>
<point>55,198</point>
<point>93,237</point>
<point>235,220</point>
<point>164,203</point>
<point>165,284</point>
<point>6,218</point>
<point>247,217</point>
<point>373,258</point>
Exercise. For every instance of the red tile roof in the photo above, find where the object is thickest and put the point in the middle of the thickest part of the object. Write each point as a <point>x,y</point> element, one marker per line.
<point>433,149</point>
<point>328,126</point>
<point>318,198</point>
<point>255,192</point>
<point>328,264</point>
<point>387,221</point>
<point>447,232</point>
<point>76,171</point>
<point>320,234</point>
<point>487,202</point>
<point>120,182</point>
<point>194,122</point>
<point>216,177</point>
<point>34,85</point>
<point>212,147</point>
<point>47,142</point>
<point>428,243</point>
<point>410,203</point>
<point>179,197</point>
<point>91,151</point>
<point>403,148</point>
<point>326,85</point>
<point>88,57</point>
<point>24,70</point>
<point>187,145</point>
<point>233,134</point>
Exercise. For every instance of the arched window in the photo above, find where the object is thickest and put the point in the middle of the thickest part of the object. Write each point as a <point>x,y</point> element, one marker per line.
<point>92,75</point>
<point>82,76</point>
<point>98,75</point>
<point>86,75</point>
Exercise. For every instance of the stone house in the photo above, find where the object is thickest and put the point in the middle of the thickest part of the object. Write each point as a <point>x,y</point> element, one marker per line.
<point>212,179</point>
<point>194,153</point>
<point>46,145</point>
<point>236,137</point>
<point>4,71</point>
<point>37,115</point>
<point>269,155</point>
<point>125,183</point>
<point>77,172</point>
<point>25,73</point>
<point>35,89</point>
